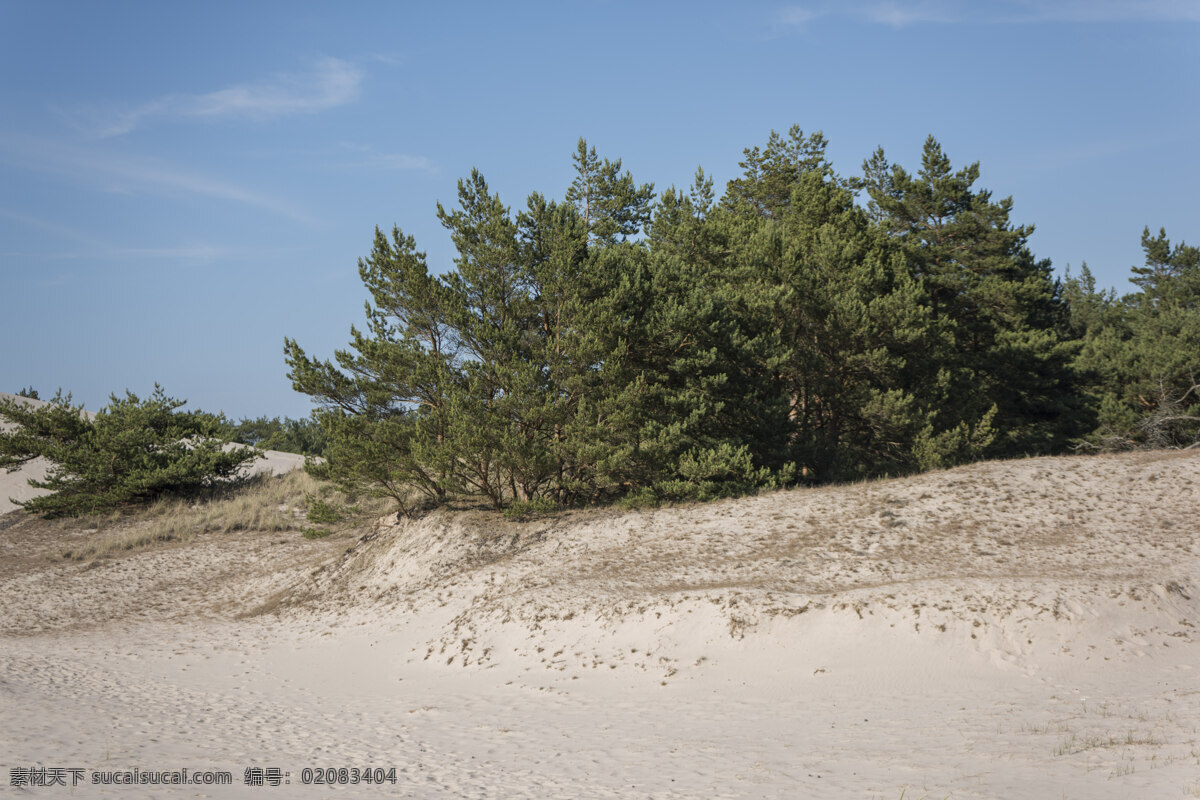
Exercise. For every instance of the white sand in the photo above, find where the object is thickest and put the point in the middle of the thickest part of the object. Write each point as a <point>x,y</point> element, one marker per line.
<point>1021,629</point>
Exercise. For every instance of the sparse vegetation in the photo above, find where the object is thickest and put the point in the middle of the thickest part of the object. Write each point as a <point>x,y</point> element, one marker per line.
<point>641,499</point>
<point>1070,745</point>
<point>315,533</point>
<point>265,503</point>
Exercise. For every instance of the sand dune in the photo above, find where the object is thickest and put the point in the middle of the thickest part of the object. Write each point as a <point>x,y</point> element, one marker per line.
<point>1007,629</point>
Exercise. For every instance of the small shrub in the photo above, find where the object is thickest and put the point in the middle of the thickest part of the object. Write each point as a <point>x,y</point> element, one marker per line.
<point>528,509</point>
<point>321,512</point>
<point>723,471</point>
<point>315,533</point>
<point>642,498</point>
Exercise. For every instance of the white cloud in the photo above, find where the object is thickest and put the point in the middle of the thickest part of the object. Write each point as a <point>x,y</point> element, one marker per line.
<point>368,156</point>
<point>1108,11</point>
<point>122,173</point>
<point>52,228</point>
<point>799,16</point>
<point>94,248</point>
<point>330,84</point>
<point>187,252</point>
<point>899,14</point>
<point>390,59</point>
<point>400,161</point>
<point>895,13</point>
<point>903,13</point>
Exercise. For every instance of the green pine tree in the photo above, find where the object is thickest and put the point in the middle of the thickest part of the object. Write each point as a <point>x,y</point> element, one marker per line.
<point>1141,353</point>
<point>857,338</point>
<point>1012,350</point>
<point>610,202</point>
<point>133,451</point>
<point>387,406</point>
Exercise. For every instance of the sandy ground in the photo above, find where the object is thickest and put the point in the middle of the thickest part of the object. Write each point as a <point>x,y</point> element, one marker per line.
<point>1008,629</point>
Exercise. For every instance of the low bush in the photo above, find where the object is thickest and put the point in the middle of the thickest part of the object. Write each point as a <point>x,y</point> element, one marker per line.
<point>528,509</point>
<point>321,512</point>
<point>132,452</point>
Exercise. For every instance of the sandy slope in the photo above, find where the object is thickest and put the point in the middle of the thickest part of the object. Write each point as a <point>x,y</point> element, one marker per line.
<point>1012,629</point>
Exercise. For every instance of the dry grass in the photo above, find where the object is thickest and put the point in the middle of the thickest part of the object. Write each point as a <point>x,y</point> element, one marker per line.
<point>1075,744</point>
<point>269,504</point>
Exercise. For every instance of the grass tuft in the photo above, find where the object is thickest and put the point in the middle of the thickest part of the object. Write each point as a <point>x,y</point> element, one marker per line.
<point>266,503</point>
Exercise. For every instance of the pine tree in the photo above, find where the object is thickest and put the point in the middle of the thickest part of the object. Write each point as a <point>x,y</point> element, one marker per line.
<point>387,406</point>
<point>610,203</point>
<point>561,358</point>
<point>855,327</point>
<point>614,343</point>
<point>578,336</point>
<point>1141,353</point>
<point>770,175</point>
<point>133,451</point>
<point>1012,350</point>
<point>301,436</point>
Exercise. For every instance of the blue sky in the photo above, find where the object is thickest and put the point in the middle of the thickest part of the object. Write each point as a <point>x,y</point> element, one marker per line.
<point>182,186</point>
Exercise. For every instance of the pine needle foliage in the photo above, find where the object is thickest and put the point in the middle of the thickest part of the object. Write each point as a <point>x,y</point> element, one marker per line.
<point>1141,352</point>
<point>132,452</point>
<point>623,344</point>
